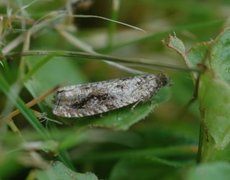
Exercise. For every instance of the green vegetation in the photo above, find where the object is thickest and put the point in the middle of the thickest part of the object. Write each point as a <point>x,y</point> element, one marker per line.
<point>181,133</point>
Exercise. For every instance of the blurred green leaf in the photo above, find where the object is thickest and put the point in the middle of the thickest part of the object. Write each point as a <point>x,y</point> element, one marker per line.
<point>9,164</point>
<point>161,155</point>
<point>57,71</point>
<point>140,169</point>
<point>59,171</point>
<point>27,113</point>
<point>210,171</point>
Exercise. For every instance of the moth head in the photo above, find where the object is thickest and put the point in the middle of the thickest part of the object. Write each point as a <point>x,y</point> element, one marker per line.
<point>163,79</point>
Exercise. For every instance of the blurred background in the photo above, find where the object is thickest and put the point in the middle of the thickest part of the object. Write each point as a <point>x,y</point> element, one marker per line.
<point>162,145</point>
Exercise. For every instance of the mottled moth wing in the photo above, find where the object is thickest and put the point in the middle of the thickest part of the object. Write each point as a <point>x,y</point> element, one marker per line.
<point>99,97</point>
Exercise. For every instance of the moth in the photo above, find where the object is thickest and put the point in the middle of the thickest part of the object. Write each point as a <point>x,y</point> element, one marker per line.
<point>100,97</point>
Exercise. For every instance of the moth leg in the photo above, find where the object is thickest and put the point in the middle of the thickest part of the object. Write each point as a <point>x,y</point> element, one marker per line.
<point>141,100</point>
<point>44,118</point>
<point>135,104</point>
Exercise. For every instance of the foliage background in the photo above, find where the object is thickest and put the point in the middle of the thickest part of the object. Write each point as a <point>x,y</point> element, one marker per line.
<point>124,144</point>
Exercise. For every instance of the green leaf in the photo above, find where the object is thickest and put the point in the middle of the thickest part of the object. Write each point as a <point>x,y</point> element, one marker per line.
<point>123,118</point>
<point>176,44</point>
<point>214,97</point>
<point>213,92</point>
<point>59,171</point>
<point>130,169</point>
<point>210,171</point>
<point>220,56</point>
<point>197,54</point>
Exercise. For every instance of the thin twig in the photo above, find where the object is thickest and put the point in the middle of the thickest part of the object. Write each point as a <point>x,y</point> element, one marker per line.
<point>108,19</point>
<point>132,61</point>
<point>32,103</point>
